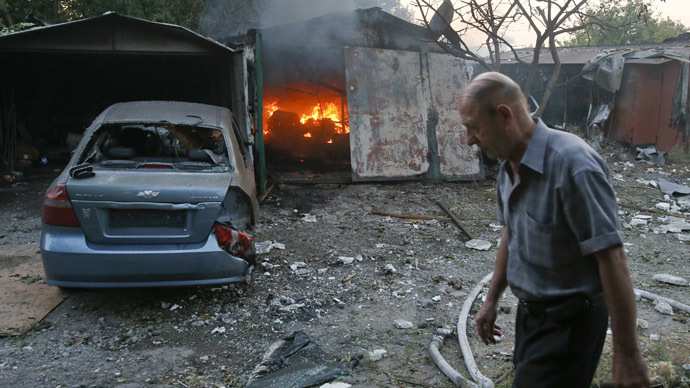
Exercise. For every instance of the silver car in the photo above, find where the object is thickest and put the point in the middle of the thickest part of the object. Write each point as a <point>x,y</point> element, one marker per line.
<point>157,193</point>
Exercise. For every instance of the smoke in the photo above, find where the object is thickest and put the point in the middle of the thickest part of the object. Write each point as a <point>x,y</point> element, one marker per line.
<point>295,51</point>
<point>224,19</point>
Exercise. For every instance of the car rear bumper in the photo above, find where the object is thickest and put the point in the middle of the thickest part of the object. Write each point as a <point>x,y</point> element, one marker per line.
<point>70,260</point>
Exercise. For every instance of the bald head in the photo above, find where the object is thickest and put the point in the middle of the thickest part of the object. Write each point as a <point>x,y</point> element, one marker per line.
<point>488,90</point>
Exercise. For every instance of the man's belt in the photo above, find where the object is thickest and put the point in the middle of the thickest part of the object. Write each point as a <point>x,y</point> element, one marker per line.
<point>562,307</point>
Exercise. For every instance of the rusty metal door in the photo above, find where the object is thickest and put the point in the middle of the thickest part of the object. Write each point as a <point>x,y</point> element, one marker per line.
<point>387,114</point>
<point>404,120</point>
<point>447,77</point>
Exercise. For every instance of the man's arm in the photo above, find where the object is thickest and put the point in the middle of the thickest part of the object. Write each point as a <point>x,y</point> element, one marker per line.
<point>486,317</point>
<point>629,369</point>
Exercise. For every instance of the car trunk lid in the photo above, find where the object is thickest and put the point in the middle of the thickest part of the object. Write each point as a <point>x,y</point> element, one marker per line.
<point>142,207</point>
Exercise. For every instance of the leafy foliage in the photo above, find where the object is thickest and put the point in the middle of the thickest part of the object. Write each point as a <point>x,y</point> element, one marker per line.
<point>635,23</point>
<point>15,28</point>
<point>182,12</point>
<point>187,13</point>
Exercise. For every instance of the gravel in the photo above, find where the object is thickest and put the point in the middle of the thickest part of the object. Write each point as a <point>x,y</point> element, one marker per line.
<point>345,277</point>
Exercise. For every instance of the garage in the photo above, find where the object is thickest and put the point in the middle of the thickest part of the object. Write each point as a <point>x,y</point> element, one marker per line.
<point>55,79</point>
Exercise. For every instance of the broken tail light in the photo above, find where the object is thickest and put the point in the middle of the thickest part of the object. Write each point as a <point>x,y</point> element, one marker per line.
<point>57,209</point>
<point>232,241</point>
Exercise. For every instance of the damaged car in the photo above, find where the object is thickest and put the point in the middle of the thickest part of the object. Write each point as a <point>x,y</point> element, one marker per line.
<point>157,193</point>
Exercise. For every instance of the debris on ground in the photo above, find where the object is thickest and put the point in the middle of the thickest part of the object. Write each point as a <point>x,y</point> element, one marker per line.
<point>480,245</point>
<point>671,279</point>
<point>294,362</point>
<point>414,269</point>
<point>663,307</point>
<point>651,155</point>
<point>403,324</point>
<point>377,354</point>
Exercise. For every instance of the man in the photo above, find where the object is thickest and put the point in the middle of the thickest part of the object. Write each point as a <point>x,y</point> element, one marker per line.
<point>561,249</point>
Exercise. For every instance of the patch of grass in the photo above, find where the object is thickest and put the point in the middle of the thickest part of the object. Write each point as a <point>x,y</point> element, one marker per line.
<point>657,352</point>
<point>678,155</point>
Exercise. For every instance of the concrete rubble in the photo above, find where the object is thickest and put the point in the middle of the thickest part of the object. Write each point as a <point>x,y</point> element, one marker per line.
<point>671,279</point>
<point>663,307</point>
<point>480,245</point>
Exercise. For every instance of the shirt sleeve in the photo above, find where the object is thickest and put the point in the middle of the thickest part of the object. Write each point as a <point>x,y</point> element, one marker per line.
<point>592,212</point>
<point>499,205</point>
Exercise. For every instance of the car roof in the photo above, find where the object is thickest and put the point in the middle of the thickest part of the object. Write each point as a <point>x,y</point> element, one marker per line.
<point>174,112</point>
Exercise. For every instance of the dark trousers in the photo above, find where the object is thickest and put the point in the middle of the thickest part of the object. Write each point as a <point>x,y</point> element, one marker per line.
<point>559,345</point>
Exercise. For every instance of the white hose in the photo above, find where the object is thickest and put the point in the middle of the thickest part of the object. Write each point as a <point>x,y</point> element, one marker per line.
<point>673,303</point>
<point>467,351</point>
<point>447,370</point>
<point>462,335</point>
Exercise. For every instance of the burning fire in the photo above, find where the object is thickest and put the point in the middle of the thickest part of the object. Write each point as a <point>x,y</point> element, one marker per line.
<point>317,113</point>
<point>328,111</point>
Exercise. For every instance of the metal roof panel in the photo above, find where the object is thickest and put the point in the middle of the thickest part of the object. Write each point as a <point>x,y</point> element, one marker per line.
<point>112,33</point>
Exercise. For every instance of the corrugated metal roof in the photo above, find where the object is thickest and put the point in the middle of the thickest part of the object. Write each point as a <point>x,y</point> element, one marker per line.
<point>579,55</point>
<point>111,33</point>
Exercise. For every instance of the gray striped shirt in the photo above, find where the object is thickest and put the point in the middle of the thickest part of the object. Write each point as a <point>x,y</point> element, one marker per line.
<point>559,212</point>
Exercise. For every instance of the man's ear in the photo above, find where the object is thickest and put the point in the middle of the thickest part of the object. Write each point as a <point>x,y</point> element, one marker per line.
<point>504,113</point>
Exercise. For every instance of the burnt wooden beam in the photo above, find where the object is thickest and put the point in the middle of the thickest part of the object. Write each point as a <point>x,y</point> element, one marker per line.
<point>455,220</point>
<point>410,216</point>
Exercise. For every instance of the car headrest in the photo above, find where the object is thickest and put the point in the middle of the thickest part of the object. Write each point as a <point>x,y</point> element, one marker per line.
<point>120,153</point>
<point>198,156</point>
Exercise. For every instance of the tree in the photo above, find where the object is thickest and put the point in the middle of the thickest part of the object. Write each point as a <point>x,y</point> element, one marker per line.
<point>182,12</point>
<point>636,23</point>
<point>547,19</point>
<point>394,7</point>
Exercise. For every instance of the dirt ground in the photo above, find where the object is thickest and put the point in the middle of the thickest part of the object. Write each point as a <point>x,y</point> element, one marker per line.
<point>413,270</point>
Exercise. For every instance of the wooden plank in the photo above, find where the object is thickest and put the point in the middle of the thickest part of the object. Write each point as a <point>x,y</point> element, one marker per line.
<point>24,299</point>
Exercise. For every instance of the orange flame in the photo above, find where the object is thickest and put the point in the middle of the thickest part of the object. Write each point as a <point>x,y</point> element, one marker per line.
<point>327,110</point>
<point>270,108</point>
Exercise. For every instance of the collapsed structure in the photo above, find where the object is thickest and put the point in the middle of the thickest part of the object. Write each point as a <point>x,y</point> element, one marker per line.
<point>362,90</point>
<point>55,79</point>
<point>637,93</point>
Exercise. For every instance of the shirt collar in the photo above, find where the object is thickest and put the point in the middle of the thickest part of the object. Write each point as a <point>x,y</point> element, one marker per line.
<point>536,149</point>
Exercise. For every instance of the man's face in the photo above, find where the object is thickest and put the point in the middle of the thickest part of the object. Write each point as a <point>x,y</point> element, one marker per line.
<point>482,131</point>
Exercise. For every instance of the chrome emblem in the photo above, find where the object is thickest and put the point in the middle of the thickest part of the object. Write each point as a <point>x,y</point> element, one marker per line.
<point>148,194</point>
<point>86,213</point>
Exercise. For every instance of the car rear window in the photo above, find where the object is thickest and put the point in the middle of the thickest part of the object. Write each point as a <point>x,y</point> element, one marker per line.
<point>156,146</point>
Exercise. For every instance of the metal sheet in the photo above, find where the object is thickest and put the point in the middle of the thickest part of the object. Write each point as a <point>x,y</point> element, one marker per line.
<point>112,33</point>
<point>642,111</point>
<point>387,113</point>
<point>447,77</point>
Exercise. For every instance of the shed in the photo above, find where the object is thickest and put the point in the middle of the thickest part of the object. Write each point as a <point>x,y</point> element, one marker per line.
<point>364,91</point>
<point>641,107</point>
<point>55,79</point>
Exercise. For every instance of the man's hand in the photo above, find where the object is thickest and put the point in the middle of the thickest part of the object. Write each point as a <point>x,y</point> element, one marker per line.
<point>486,323</point>
<point>629,371</point>
<point>486,317</point>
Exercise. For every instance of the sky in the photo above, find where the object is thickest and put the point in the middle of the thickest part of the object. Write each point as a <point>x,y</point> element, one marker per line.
<point>520,36</point>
